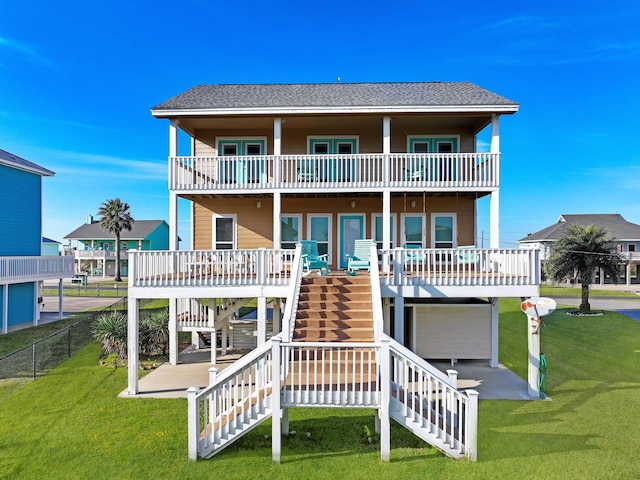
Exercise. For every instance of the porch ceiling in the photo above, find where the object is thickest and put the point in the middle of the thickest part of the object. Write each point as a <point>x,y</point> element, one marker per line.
<point>440,121</point>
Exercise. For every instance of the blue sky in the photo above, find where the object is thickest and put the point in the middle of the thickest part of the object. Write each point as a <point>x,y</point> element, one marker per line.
<point>77,80</point>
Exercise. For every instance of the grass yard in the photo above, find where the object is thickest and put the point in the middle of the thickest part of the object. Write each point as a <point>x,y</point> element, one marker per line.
<point>70,423</point>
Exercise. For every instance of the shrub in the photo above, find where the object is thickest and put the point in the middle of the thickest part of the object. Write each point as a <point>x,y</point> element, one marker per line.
<point>110,329</point>
<point>154,333</point>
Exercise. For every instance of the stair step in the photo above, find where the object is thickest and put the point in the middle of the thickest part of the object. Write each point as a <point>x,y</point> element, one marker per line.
<point>335,297</point>
<point>333,323</point>
<point>347,280</point>
<point>328,305</point>
<point>310,334</point>
<point>335,288</point>
<point>338,316</point>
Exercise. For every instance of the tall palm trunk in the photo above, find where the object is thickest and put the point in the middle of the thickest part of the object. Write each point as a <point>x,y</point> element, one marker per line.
<point>585,307</point>
<point>117,278</point>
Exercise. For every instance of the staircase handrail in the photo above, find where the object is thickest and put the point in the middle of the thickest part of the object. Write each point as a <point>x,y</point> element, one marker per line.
<point>421,362</point>
<point>291,305</point>
<point>376,294</point>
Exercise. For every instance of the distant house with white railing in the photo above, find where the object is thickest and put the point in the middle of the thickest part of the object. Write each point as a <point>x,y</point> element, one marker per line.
<point>627,235</point>
<point>268,166</point>
<point>94,249</point>
<point>22,265</point>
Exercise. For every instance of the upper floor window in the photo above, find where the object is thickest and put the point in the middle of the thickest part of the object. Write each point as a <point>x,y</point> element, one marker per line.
<point>413,230</point>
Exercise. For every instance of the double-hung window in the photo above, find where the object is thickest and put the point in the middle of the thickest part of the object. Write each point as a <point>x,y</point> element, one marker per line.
<point>290,229</point>
<point>443,230</point>
<point>224,232</point>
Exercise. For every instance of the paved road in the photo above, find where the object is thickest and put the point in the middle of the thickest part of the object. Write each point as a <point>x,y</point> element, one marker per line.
<point>73,304</point>
<point>626,306</point>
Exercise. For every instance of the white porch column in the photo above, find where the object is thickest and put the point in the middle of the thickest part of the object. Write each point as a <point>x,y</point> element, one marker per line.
<point>386,148</point>
<point>495,133</point>
<point>276,220</point>
<point>494,215</point>
<point>173,137</point>
<point>385,401</point>
<point>493,362</point>
<point>494,220</point>
<point>386,228</point>
<point>277,150</point>
<point>5,308</point>
<point>173,221</point>
<point>36,304</point>
<point>132,345</point>
<point>262,320</point>
<point>398,320</point>
<point>173,331</point>
<point>276,415</point>
<point>386,315</point>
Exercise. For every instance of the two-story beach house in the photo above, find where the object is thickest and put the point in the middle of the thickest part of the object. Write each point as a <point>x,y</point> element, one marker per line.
<point>94,249</point>
<point>22,265</point>
<point>352,208</point>
<point>626,233</point>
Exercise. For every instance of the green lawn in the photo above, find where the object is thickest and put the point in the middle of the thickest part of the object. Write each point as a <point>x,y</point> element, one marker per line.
<point>70,424</point>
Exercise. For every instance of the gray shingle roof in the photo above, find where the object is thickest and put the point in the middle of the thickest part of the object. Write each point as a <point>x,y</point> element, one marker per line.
<point>334,95</point>
<point>15,161</point>
<point>92,231</point>
<point>614,222</point>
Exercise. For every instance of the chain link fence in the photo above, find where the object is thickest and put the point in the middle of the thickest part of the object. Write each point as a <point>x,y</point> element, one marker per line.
<point>41,356</point>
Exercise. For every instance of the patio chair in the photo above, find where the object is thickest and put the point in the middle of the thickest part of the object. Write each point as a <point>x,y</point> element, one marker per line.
<point>466,255</point>
<point>413,254</point>
<point>307,171</point>
<point>361,258</point>
<point>311,259</point>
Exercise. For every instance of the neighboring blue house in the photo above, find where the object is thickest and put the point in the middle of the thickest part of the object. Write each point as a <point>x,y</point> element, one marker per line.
<point>50,248</point>
<point>94,250</point>
<point>22,266</point>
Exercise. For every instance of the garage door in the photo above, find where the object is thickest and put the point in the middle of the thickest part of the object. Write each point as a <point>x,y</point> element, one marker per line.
<point>453,331</point>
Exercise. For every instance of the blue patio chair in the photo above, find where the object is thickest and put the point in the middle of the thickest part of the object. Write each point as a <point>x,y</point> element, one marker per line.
<point>467,255</point>
<point>412,254</point>
<point>311,259</point>
<point>361,258</point>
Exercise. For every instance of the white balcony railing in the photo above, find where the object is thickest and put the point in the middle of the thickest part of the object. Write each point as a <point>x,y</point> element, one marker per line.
<point>457,267</point>
<point>461,267</point>
<point>99,254</point>
<point>204,268</point>
<point>30,269</point>
<point>404,171</point>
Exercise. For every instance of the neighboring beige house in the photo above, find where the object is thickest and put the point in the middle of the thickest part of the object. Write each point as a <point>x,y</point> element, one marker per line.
<point>626,233</point>
<point>397,163</point>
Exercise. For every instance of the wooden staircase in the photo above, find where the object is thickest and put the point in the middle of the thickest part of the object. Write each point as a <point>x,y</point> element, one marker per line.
<point>334,309</point>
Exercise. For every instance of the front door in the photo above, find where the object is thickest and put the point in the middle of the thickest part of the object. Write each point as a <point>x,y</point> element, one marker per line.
<point>350,229</point>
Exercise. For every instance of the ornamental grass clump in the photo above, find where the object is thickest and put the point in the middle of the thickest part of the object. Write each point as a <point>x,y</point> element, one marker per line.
<point>110,329</point>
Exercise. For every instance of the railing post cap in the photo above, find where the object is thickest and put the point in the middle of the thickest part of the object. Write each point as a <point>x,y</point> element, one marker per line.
<point>192,391</point>
<point>211,369</point>
<point>472,393</point>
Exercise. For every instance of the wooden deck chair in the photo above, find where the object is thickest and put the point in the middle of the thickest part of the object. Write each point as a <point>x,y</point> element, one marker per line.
<point>360,260</point>
<point>467,255</point>
<point>413,254</point>
<point>311,259</point>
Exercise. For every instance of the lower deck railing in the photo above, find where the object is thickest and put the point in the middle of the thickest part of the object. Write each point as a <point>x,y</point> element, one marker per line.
<point>27,268</point>
<point>360,375</point>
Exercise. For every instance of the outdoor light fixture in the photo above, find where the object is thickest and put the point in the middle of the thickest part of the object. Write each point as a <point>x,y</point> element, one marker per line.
<point>353,204</point>
<point>413,203</point>
<point>259,204</point>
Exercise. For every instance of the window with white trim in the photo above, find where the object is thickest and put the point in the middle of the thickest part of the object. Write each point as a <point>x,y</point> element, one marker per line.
<point>443,230</point>
<point>290,227</point>
<point>413,230</point>
<point>319,229</point>
<point>224,233</point>
<point>376,229</point>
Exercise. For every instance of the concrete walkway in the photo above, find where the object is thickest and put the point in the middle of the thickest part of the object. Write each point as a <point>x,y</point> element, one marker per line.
<point>172,381</point>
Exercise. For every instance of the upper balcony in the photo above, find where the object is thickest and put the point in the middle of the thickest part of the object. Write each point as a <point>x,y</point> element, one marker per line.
<point>34,269</point>
<point>402,172</point>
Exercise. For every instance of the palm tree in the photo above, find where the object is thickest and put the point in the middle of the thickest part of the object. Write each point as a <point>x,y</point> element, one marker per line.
<point>579,253</point>
<point>115,217</point>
